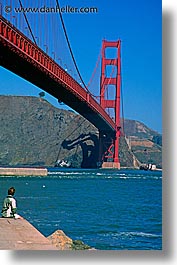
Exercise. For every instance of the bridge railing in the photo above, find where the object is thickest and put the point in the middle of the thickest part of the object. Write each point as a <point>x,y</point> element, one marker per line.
<point>22,44</point>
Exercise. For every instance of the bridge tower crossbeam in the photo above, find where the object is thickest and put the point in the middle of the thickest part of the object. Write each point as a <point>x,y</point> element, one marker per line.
<point>109,144</point>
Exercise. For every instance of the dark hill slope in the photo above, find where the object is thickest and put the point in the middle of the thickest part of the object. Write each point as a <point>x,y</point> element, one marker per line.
<point>33,132</point>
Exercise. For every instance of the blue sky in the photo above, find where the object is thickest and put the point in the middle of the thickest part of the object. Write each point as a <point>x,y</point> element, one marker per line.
<point>138,24</point>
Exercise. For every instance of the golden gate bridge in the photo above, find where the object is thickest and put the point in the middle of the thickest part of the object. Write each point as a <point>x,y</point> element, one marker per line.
<point>36,47</point>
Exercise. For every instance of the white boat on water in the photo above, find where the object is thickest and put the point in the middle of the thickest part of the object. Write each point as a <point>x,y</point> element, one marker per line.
<point>62,163</point>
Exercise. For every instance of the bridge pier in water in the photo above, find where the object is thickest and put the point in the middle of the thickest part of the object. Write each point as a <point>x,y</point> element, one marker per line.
<point>111,165</point>
<point>110,84</point>
<point>108,150</point>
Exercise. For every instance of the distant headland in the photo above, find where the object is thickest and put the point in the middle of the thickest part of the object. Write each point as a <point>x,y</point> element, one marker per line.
<point>35,133</point>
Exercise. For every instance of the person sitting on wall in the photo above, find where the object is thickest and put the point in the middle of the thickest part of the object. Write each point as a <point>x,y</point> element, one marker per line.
<point>9,209</point>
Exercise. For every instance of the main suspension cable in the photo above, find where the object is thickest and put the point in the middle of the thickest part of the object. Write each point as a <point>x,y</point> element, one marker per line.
<point>69,46</point>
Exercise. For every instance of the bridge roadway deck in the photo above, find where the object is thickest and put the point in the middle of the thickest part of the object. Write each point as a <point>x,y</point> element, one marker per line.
<point>19,234</point>
<point>21,56</point>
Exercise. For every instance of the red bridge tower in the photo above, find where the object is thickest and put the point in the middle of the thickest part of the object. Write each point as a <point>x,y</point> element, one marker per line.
<point>110,101</point>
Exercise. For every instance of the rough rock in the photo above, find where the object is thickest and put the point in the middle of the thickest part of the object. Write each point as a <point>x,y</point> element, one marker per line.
<point>63,242</point>
<point>60,240</point>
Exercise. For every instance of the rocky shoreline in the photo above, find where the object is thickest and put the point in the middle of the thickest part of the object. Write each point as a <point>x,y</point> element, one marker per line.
<point>19,234</point>
<point>63,242</point>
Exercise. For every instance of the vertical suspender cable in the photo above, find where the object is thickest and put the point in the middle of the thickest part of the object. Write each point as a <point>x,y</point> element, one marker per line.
<point>122,103</point>
<point>27,22</point>
<point>69,46</point>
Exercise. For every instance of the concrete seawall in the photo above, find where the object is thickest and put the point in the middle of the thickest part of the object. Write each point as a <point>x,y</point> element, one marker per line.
<point>19,234</point>
<point>23,171</point>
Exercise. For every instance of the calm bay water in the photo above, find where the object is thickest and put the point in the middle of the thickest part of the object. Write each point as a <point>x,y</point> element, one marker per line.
<point>107,209</point>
